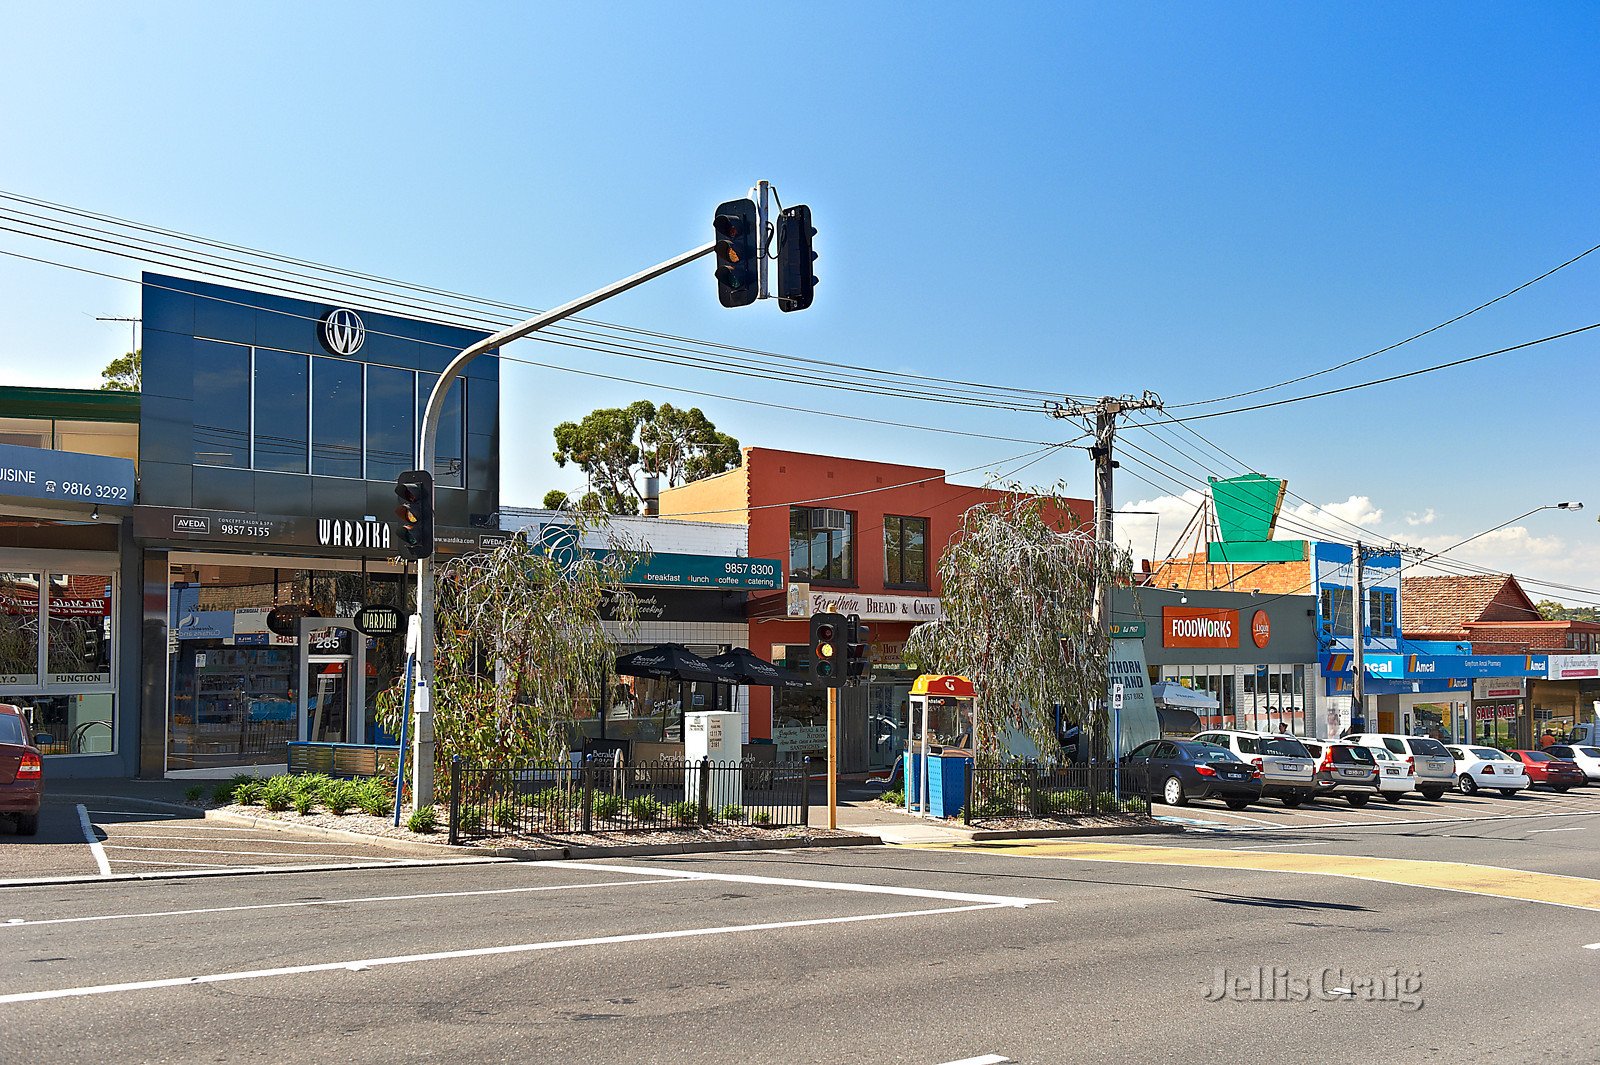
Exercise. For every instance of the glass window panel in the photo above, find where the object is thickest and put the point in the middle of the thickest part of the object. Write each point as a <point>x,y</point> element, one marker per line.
<point>450,448</point>
<point>222,413</point>
<point>281,397</point>
<point>892,559</point>
<point>72,724</point>
<point>79,610</point>
<point>391,422</point>
<point>841,553</point>
<point>916,551</point>
<point>19,628</point>
<point>799,544</point>
<point>336,418</point>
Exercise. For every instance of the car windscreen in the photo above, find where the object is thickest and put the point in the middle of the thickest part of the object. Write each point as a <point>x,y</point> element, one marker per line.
<point>1423,745</point>
<point>1488,755</point>
<point>1535,756</point>
<point>1589,752</point>
<point>11,730</point>
<point>1208,752</point>
<point>1354,755</point>
<point>1285,745</point>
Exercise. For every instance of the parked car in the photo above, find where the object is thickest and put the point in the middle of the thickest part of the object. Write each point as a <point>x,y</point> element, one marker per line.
<point>1347,768</point>
<point>1395,775</point>
<point>1286,766</point>
<point>1584,757</point>
<point>1486,767</point>
<point>1552,772</point>
<point>1428,758</point>
<point>1180,770</point>
<point>21,771</point>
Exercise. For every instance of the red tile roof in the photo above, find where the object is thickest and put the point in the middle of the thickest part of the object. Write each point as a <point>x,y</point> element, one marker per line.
<point>1442,605</point>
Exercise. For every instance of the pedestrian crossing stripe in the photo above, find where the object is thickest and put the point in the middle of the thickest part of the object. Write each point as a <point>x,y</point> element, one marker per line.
<point>1518,884</point>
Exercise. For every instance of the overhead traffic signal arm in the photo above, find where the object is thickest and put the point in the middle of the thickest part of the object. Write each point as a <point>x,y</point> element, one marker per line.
<point>738,251</point>
<point>414,514</point>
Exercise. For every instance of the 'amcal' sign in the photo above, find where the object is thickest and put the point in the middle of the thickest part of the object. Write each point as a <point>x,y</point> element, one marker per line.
<point>1199,626</point>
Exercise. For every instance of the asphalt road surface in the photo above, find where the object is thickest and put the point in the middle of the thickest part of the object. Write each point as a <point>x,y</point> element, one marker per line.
<point>1398,944</point>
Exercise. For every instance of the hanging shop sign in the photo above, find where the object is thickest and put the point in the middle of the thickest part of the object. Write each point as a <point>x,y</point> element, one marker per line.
<point>911,608</point>
<point>1199,626</point>
<point>1127,630</point>
<point>65,476</point>
<point>285,620</point>
<point>1428,667</point>
<point>379,621</point>
<point>681,604</point>
<point>1499,688</point>
<point>1260,629</point>
<point>1573,667</point>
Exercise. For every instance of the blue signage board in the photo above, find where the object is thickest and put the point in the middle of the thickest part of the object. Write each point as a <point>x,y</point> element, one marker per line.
<point>1426,667</point>
<point>65,476</point>
<point>666,570</point>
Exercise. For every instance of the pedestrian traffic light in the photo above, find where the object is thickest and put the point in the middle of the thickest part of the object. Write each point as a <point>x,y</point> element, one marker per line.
<point>414,489</point>
<point>738,249</point>
<point>796,283</point>
<point>830,651</point>
<point>858,648</point>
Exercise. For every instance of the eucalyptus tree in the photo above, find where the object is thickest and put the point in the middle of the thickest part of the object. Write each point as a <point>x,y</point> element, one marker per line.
<point>522,642</point>
<point>1018,596</point>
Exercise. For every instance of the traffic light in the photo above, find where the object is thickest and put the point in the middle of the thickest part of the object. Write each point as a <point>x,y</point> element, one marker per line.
<point>830,651</point>
<point>738,248</point>
<point>414,489</point>
<point>858,648</point>
<point>796,284</point>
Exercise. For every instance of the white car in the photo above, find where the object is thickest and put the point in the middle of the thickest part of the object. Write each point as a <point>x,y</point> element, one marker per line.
<point>1485,767</point>
<point>1395,775</point>
<point>1287,769</point>
<point>1436,772</point>
<point>1586,757</point>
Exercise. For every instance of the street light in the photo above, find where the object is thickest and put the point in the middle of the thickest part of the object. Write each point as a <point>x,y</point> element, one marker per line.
<point>1570,505</point>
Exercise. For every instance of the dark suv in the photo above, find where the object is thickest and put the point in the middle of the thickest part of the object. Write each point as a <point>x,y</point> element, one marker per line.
<point>1347,768</point>
<point>21,771</point>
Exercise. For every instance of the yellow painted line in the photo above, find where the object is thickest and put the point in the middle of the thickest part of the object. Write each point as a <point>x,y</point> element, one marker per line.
<point>1519,884</point>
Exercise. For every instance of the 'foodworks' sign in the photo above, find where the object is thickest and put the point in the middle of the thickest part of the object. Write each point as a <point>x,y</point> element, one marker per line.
<point>1198,626</point>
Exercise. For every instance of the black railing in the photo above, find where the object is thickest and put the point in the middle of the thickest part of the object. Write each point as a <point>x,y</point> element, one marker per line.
<point>607,795</point>
<point>1032,790</point>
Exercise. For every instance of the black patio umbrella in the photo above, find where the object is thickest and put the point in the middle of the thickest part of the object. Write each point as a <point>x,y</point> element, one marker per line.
<point>753,669</point>
<point>673,661</point>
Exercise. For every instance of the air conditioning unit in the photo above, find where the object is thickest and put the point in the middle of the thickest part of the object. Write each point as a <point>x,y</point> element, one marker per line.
<point>825,518</point>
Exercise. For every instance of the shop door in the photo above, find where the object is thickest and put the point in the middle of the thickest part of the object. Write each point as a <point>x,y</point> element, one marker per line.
<point>333,668</point>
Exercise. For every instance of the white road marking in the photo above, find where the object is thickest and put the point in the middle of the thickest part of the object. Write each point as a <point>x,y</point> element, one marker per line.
<point>478,952</point>
<point>252,854</point>
<point>181,865</point>
<point>17,921</point>
<point>131,813</point>
<point>1591,946</point>
<point>825,885</point>
<point>1534,831</point>
<point>96,848</point>
<point>1275,846</point>
<point>247,839</point>
<point>986,1059</point>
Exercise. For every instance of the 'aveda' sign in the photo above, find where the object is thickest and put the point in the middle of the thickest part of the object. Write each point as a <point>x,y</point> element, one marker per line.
<point>1198,626</point>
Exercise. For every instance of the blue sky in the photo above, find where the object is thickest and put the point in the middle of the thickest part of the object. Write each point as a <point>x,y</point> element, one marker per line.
<point>1195,199</point>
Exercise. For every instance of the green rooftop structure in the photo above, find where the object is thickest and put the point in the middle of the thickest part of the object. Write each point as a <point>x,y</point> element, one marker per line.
<point>1247,514</point>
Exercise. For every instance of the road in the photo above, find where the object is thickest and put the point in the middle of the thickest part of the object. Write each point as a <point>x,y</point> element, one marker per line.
<point>1105,949</point>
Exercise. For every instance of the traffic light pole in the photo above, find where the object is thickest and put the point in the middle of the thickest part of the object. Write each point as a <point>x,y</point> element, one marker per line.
<point>428,444</point>
<point>833,759</point>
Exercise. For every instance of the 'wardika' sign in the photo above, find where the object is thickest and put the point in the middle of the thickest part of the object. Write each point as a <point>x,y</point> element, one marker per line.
<point>1196,626</point>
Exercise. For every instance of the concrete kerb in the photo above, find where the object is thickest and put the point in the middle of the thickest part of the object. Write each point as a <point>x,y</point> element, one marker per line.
<point>1087,830</point>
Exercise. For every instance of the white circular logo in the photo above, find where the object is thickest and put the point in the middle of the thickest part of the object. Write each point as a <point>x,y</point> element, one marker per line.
<point>342,332</point>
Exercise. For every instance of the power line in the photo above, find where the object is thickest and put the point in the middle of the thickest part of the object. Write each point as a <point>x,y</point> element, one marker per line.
<point>1396,344</point>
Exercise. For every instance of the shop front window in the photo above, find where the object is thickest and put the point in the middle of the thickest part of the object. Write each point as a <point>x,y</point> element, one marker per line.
<point>19,629</point>
<point>79,609</point>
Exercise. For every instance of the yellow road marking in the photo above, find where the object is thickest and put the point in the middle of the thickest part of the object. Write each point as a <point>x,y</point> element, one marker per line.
<point>1551,888</point>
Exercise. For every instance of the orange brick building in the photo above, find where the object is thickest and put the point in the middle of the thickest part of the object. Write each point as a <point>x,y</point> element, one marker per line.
<point>856,535</point>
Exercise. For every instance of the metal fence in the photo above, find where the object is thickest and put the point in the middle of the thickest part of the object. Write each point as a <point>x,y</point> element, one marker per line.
<point>608,795</point>
<point>1031,789</point>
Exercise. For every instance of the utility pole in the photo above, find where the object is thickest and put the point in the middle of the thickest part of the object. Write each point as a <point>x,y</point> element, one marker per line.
<point>1105,431</point>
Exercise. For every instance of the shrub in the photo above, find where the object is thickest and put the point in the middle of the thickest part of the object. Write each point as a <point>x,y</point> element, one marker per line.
<point>607,806</point>
<point>645,808</point>
<point>375,798</point>
<point>685,813</point>
<point>278,793</point>
<point>304,802</point>
<point>731,812</point>
<point>1108,804</point>
<point>504,814</point>
<point>312,784</point>
<point>340,797</point>
<point>550,800</point>
<point>894,797</point>
<point>1072,801</point>
<point>193,792</point>
<point>422,819</point>
<point>248,793</point>
<point>471,820</point>
<point>761,817</point>
<point>1135,806</point>
<point>222,794</point>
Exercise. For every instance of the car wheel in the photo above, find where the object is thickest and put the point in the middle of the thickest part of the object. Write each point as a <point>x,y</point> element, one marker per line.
<point>1172,792</point>
<point>1391,796</point>
<point>27,824</point>
<point>1237,804</point>
<point>1432,794</point>
<point>1468,785</point>
<point>1508,792</point>
<point>1357,800</point>
<point>1291,801</point>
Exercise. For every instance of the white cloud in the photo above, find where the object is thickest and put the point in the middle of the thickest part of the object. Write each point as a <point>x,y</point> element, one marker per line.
<point>1425,518</point>
<point>1357,510</point>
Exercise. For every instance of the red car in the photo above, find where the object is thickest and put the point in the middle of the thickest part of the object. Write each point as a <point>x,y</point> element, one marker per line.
<point>1552,772</point>
<point>21,771</point>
